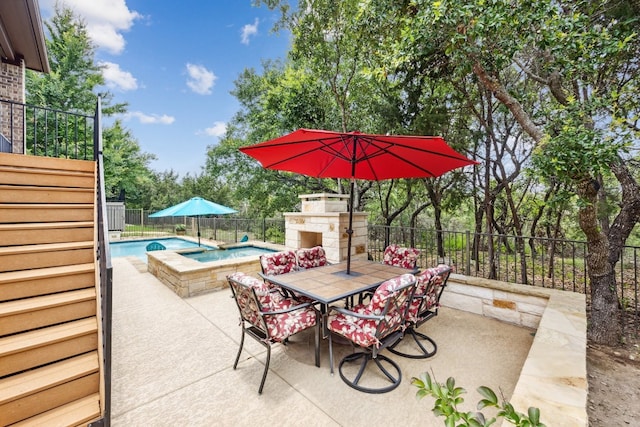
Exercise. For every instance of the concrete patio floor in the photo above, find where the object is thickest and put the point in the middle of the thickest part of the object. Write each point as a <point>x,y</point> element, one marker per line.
<point>173,365</point>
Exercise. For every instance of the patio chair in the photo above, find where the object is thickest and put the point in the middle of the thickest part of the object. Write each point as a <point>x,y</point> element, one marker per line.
<point>155,246</point>
<point>372,327</point>
<point>311,257</point>
<point>269,317</point>
<point>280,263</point>
<point>399,256</point>
<point>396,256</point>
<point>424,306</point>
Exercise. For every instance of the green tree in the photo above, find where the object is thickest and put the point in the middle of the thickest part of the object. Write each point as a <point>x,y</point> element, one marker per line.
<point>126,166</point>
<point>75,78</point>
<point>73,85</point>
<point>581,59</point>
<point>163,190</point>
<point>275,102</point>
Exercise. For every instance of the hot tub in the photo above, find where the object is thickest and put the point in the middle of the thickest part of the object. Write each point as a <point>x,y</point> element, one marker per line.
<point>188,277</point>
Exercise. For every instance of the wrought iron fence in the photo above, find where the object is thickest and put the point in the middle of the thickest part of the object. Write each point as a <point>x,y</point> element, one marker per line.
<point>535,261</point>
<point>138,224</point>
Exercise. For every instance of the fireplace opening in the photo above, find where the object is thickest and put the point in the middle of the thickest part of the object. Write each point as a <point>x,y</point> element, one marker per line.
<point>310,239</point>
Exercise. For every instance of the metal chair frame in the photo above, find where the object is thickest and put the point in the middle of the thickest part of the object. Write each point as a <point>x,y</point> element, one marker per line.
<point>422,315</point>
<point>253,323</point>
<point>386,333</point>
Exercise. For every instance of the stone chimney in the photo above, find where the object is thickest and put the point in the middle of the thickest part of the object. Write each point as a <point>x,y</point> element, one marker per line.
<point>324,220</point>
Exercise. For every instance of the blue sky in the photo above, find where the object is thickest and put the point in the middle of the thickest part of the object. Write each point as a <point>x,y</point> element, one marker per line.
<point>174,63</point>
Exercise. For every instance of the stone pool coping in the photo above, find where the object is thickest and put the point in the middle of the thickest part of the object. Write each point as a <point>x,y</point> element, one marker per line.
<point>188,277</point>
<point>554,375</point>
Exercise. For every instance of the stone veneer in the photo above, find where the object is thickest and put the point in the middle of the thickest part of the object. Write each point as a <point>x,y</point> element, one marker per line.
<point>323,220</point>
<point>188,277</point>
<point>554,375</point>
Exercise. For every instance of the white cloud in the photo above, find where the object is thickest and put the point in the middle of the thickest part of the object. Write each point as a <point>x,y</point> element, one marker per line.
<point>116,78</point>
<point>146,119</point>
<point>218,129</point>
<point>249,30</point>
<point>105,20</point>
<point>200,79</point>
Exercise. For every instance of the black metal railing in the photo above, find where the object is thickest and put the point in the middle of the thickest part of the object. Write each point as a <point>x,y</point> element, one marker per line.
<point>42,131</point>
<point>536,261</point>
<point>225,229</point>
<point>105,267</point>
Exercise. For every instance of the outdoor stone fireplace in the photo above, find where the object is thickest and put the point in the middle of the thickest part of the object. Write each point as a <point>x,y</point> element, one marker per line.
<point>324,220</point>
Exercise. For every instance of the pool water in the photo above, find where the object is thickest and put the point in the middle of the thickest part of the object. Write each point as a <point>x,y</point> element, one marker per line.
<point>138,248</point>
<point>221,254</point>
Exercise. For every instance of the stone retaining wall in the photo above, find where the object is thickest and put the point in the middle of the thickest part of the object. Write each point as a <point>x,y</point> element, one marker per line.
<point>554,375</point>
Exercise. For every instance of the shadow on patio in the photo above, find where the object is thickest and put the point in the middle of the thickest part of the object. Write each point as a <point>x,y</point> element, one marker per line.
<point>173,358</point>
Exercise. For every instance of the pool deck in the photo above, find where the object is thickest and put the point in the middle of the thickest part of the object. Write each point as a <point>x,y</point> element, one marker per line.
<point>173,365</point>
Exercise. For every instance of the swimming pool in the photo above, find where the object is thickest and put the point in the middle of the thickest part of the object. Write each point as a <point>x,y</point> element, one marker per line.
<point>230,253</point>
<point>138,248</point>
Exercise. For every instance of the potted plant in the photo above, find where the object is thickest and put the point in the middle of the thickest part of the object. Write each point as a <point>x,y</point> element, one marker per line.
<point>181,229</point>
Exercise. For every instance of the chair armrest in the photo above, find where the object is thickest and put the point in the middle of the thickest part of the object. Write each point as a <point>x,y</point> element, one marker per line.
<point>354,314</point>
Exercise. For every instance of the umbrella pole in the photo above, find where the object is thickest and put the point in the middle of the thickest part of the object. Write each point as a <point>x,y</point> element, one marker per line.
<point>350,229</point>
<point>198,220</point>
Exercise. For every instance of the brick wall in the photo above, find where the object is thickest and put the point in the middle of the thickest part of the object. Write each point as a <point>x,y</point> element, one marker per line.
<point>12,118</point>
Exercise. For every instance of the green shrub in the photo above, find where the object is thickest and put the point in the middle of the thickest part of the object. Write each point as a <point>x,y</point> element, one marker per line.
<point>448,397</point>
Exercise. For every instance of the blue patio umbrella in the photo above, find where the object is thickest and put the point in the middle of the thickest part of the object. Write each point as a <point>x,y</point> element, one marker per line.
<point>196,206</point>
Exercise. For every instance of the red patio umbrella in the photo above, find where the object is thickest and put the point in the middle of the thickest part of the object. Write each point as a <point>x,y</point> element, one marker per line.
<point>355,155</point>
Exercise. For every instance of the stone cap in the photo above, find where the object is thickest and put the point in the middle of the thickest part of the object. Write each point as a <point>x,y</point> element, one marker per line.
<point>324,202</point>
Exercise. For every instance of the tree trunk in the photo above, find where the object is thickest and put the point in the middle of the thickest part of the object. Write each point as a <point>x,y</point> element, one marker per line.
<point>605,326</point>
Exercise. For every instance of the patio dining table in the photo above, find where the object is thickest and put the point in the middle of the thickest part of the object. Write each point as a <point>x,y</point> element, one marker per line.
<point>331,283</point>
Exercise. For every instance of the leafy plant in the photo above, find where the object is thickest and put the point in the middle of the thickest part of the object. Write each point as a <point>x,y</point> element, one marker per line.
<point>181,227</point>
<point>448,397</point>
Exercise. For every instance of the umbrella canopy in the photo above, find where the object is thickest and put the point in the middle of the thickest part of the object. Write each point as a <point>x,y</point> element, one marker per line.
<point>326,154</point>
<point>196,206</point>
<point>355,155</point>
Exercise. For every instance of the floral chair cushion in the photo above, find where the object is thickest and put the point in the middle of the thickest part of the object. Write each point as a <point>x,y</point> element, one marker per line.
<point>368,332</point>
<point>278,263</point>
<point>264,291</point>
<point>401,257</point>
<point>280,325</point>
<point>429,283</point>
<point>312,257</point>
<point>284,325</point>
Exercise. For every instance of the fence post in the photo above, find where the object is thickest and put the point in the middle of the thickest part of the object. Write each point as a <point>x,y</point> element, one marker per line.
<point>236,221</point>
<point>468,254</point>
<point>142,222</point>
<point>264,229</point>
